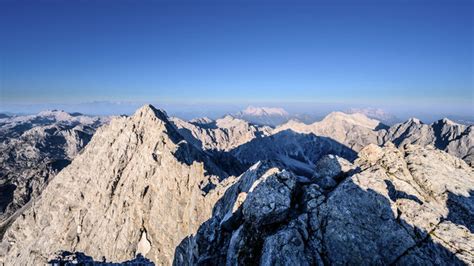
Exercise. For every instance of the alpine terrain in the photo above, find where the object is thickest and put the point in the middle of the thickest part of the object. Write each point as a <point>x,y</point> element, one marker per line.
<point>33,149</point>
<point>150,189</point>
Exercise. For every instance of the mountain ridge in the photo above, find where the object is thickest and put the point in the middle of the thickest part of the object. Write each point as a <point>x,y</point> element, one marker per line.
<point>114,172</point>
<point>231,192</point>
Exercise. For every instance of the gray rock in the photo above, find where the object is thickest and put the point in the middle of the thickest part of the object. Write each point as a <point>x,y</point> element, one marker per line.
<point>405,206</point>
<point>286,247</point>
<point>269,200</point>
<point>456,139</point>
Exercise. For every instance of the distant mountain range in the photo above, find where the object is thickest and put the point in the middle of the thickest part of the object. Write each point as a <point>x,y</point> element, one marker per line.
<point>376,113</point>
<point>344,190</point>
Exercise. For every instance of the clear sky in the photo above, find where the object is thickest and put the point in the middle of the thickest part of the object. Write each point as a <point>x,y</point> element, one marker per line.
<point>362,52</point>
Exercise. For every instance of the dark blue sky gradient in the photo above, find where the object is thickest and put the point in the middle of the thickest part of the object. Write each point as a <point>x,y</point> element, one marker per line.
<point>361,52</point>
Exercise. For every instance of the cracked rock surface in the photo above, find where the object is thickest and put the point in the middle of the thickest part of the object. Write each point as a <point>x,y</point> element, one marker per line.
<point>33,149</point>
<point>137,175</point>
<point>411,205</point>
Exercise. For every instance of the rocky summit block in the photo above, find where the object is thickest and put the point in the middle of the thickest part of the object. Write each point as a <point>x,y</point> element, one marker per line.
<point>269,199</point>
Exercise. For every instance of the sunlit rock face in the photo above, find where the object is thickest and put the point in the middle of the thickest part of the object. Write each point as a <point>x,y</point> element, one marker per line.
<point>353,130</point>
<point>138,187</point>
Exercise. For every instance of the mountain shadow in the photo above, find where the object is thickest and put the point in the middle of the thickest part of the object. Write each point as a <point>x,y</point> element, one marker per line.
<point>294,151</point>
<point>394,194</point>
<point>6,195</point>
<point>461,210</point>
<point>381,126</point>
<point>65,258</point>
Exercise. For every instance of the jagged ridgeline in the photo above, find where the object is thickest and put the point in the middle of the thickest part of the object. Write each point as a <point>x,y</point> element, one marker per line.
<point>153,189</point>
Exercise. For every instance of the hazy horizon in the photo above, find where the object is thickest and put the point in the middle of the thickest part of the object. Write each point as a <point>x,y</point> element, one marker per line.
<point>313,111</point>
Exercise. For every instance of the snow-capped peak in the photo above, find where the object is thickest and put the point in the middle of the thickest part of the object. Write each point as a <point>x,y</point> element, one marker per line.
<point>56,114</point>
<point>264,111</point>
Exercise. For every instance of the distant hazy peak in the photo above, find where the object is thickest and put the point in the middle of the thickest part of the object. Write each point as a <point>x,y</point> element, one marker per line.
<point>376,113</point>
<point>264,111</point>
<point>230,121</point>
<point>414,120</point>
<point>294,121</point>
<point>334,118</point>
<point>443,122</point>
<point>366,111</point>
<point>201,120</point>
<point>57,114</point>
<point>355,118</point>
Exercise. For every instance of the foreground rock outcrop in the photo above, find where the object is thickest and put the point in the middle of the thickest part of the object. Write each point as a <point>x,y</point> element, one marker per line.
<point>395,206</point>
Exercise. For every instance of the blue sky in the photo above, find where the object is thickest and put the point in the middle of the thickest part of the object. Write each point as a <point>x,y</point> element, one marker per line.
<point>396,53</point>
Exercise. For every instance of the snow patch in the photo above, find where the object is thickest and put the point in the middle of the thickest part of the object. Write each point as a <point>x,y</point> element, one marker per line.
<point>144,245</point>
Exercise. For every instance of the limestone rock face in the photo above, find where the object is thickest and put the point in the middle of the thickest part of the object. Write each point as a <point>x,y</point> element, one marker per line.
<point>222,135</point>
<point>398,205</point>
<point>286,247</point>
<point>444,134</point>
<point>33,149</point>
<point>330,170</point>
<point>269,200</point>
<point>357,131</point>
<point>138,187</point>
<point>268,191</point>
<point>411,205</point>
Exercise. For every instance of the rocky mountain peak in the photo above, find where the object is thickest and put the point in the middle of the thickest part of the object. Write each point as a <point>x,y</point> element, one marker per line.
<point>446,122</point>
<point>201,121</point>
<point>358,119</point>
<point>148,111</point>
<point>127,190</point>
<point>230,121</point>
<point>414,120</point>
